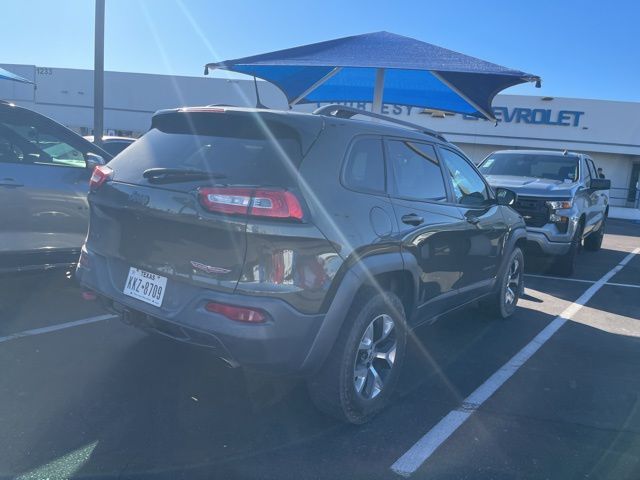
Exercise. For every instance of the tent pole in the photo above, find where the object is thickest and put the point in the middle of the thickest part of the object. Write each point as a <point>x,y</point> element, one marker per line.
<point>488,115</point>
<point>314,86</point>
<point>98,75</point>
<point>378,90</point>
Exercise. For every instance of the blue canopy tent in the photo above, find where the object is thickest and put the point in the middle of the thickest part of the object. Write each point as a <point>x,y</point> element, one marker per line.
<point>7,75</point>
<point>382,66</point>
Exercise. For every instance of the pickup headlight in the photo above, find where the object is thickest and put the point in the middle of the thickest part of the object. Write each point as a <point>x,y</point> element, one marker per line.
<point>562,222</point>
<point>560,204</point>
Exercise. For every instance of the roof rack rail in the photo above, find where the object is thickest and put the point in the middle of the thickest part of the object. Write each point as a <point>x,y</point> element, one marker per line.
<point>341,111</point>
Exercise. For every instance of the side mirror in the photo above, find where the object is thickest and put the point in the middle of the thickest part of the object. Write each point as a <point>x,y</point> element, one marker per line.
<point>93,160</point>
<point>600,184</point>
<point>506,197</point>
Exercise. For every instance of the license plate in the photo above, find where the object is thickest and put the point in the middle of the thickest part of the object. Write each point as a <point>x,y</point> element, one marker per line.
<point>146,286</point>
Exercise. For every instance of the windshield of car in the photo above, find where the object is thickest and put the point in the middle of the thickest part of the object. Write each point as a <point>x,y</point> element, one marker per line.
<point>551,167</point>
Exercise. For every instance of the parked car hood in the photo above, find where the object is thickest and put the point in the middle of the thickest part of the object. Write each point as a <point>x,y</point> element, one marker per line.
<point>533,187</point>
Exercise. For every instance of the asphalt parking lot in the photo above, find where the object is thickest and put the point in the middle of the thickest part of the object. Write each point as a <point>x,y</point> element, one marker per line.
<point>83,395</point>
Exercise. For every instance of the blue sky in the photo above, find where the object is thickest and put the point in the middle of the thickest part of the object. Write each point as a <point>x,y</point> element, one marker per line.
<point>580,48</point>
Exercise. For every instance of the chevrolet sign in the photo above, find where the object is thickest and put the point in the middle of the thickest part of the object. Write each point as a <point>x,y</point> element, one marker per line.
<point>532,116</point>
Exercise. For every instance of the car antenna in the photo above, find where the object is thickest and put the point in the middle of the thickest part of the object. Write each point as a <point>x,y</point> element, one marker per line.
<point>258,102</point>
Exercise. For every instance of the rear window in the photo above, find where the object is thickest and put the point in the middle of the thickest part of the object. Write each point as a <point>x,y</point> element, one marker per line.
<point>244,149</point>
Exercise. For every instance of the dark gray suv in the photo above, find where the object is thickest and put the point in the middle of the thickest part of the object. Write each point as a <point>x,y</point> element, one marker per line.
<point>301,243</point>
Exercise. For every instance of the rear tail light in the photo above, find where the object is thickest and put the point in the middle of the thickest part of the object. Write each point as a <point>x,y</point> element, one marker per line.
<point>239,314</point>
<point>100,175</point>
<point>261,202</point>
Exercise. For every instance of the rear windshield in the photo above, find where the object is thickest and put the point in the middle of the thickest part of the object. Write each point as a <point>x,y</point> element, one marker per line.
<point>243,149</point>
<point>552,167</point>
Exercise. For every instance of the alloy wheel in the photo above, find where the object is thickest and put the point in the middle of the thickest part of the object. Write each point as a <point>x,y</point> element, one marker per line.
<point>376,357</point>
<point>513,282</point>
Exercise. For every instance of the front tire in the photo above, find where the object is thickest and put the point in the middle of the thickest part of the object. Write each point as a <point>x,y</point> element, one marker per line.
<point>593,242</point>
<point>361,372</point>
<point>510,287</point>
<point>565,265</point>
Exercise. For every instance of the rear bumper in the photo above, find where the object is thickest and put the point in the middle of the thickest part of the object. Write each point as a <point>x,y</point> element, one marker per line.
<point>282,344</point>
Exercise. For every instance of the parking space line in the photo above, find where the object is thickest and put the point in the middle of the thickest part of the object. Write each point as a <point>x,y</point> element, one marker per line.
<point>569,279</point>
<point>54,328</point>
<point>630,285</point>
<point>434,438</point>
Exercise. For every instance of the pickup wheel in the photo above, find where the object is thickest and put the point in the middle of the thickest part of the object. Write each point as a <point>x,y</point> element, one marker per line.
<point>510,287</point>
<point>594,241</point>
<point>362,369</point>
<point>565,264</point>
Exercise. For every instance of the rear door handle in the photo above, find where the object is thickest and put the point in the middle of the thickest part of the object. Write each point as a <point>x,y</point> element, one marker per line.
<point>412,219</point>
<point>473,220</point>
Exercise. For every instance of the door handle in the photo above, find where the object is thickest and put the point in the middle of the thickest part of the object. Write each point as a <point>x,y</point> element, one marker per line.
<point>412,219</point>
<point>473,220</point>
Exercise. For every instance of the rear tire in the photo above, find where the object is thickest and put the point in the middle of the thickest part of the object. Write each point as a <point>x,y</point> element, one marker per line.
<point>565,265</point>
<point>510,287</point>
<point>593,242</point>
<point>359,376</point>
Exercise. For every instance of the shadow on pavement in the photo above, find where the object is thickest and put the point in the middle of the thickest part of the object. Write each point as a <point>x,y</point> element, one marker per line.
<point>161,409</point>
<point>38,299</point>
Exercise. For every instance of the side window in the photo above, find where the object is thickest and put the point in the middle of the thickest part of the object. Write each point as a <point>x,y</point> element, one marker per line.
<point>592,169</point>
<point>38,145</point>
<point>416,171</point>
<point>468,186</point>
<point>10,151</point>
<point>364,169</point>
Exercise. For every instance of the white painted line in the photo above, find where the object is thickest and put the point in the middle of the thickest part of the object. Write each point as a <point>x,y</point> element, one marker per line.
<point>569,279</point>
<point>55,328</point>
<point>613,284</point>
<point>434,438</point>
<point>550,277</point>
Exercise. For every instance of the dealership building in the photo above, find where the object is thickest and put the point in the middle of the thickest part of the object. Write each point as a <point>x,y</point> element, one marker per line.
<point>608,131</point>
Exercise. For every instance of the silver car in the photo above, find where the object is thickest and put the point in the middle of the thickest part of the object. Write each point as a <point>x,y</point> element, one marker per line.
<point>44,180</point>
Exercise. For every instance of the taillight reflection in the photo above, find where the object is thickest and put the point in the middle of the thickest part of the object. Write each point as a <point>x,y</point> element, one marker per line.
<point>239,314</point>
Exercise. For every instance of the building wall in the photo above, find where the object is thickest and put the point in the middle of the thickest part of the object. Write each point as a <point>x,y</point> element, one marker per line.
<point>608,131</point>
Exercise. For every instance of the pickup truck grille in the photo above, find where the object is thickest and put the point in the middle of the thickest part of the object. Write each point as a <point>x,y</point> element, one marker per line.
<point>534,211</point>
